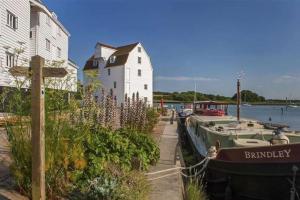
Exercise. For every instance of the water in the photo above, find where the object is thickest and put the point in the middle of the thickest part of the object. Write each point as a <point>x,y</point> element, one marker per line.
<point>290,117</point>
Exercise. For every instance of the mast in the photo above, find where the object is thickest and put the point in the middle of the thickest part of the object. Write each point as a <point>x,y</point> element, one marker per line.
<point>238,100</point>
<point>195,89</point>
<point>195,97</point>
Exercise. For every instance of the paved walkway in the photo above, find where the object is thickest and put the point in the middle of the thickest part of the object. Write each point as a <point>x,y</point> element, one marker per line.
<point>169,187</point>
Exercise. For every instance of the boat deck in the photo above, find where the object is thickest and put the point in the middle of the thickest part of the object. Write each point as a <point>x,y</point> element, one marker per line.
<point>227,125</point>
<point>227,118</point>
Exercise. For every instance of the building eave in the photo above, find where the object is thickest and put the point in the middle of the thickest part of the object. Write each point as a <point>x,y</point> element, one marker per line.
<point>73,64</point>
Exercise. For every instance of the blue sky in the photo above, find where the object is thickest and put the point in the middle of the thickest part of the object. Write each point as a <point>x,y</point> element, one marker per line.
<point>207,42</point>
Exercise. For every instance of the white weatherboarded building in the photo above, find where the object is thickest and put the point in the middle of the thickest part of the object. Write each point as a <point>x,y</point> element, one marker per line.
<point>122,70</point>
<point>31,26</point>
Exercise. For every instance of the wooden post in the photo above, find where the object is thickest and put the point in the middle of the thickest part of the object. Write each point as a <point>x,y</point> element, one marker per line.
<point>238,99</point>
<point>38,129</point>
<point>37,73</point>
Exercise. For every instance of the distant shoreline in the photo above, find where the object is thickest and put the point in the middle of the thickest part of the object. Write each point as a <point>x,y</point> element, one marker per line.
<point>230,103</point>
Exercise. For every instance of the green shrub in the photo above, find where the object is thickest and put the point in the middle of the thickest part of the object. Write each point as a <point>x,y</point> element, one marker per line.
<point>195,191</point>
<point>152,117</point>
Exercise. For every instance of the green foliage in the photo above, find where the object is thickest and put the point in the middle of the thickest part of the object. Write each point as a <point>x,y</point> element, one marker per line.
<point>19,138</point>
<point>82,156</point>
<point>124,148</point>
<point>101,187</point>
<point>188,96</point>
<point>195,191</point>
<point>152,117</point>
<point>114,184</point>
<point>249,96</point>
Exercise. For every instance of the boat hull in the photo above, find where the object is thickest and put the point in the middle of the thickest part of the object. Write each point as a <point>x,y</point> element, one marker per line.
<point>238,181</point>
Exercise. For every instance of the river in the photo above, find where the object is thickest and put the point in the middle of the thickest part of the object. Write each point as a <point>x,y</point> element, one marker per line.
<point>289,116</point>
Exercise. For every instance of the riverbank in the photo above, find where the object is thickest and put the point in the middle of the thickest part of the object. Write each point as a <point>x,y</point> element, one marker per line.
<point>229,102</point>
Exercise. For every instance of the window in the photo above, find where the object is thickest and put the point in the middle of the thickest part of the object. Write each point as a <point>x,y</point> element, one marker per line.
<point>146,87</point>
<point>10,59</point>
<point>140,49</point>
<point>48,20</point>
<point>145,99</point>
<point>30,34</point>
<point>115,84</point>
<point>12,20</point>
<point>139,60</point>
<point>48,46</point>
<point>95,63</point>
<point>112,59</point>
<point>139,72</point>
<point>108,72</point>
<point>58,52</point>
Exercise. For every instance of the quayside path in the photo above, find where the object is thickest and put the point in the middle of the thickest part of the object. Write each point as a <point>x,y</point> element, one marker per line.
<point>165,186</point>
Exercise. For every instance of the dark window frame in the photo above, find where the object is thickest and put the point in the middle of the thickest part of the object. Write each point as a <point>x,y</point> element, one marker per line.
<point>11,20</point>
<point>48,48</point>
<point>10,59</point>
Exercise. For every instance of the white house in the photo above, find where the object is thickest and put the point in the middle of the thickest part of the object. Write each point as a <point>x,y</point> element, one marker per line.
<point>122,70</point>
<point>31,26</point>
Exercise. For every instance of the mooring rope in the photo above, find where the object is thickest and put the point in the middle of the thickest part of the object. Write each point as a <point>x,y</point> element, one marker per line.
<point>179,168</point>
<point>152,179</point>
<point>197,173</point>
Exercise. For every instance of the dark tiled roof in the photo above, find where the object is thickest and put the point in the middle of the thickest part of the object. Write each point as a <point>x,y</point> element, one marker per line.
<point>121,54</point>
<point>89,64</point>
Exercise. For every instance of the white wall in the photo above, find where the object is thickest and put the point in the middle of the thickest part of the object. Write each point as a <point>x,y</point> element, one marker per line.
<point>50,32</point>
<point>35,21</point>
<point>10,37</point>
<point>133,82</point>
<point>128,81</point>
<point>58,39</point>
<point>104,52</point>
<point>107,82</point>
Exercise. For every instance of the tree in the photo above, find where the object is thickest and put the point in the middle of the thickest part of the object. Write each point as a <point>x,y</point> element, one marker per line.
<point>249,96</point>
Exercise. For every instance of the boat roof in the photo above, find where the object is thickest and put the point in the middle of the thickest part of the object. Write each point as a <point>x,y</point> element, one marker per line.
<point>211,102</point>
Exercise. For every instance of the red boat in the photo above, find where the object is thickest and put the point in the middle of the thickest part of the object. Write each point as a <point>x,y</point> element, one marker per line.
<point>210,108</point>
<point>264,173</point>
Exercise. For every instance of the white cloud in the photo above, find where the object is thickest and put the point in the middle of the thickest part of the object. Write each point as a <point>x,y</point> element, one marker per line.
<point>287,79</point>
<point>184,78</point>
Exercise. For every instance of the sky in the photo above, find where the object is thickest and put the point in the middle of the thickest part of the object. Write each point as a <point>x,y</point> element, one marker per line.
<point>209,43</point>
